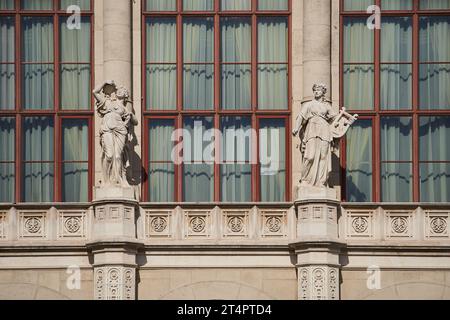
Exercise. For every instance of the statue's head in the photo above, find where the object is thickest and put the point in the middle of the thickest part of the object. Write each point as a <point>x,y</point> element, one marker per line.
<point>320,90</point>
<point>122,93</point>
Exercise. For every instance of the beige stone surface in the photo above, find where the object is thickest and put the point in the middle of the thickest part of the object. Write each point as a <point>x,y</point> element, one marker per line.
<point>206,284</point>
<point>397,285</point>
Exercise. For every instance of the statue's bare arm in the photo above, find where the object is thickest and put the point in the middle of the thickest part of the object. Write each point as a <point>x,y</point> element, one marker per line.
<point>97,92</point>
<point>298,125</point>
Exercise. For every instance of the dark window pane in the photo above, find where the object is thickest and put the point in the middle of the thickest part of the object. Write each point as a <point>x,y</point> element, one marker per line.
<point>198,5</point>
<point>435,182</point>
<point>84,5</point>
<point>75,140</point>
<point>7,44</point>
<point>38,139</point>
<point>397,4</point>
<point>161,87</point>
<point>396,39</point>
<point>75,182</point>
<point>434,39</point>
<point>37,4</point>
<point>357,5</point>
<point>7,86</point>
<point>38,181</point>
<point>7,4</point>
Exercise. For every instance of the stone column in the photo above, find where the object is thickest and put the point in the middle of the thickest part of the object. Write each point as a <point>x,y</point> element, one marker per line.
<point>316,45</point>
<point>115,245</point>
<point>117,41</point>
<point>318,246</point>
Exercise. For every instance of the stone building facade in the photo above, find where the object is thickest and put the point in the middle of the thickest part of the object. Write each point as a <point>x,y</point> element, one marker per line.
<point>122,248</point>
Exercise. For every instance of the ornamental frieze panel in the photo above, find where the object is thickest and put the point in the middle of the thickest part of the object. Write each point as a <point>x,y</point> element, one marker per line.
<point>158,224</point>
<point>360,224</point>
<point>115,283</point>
<point>274,223</point>
<point>399,224</point>
<point>198,224</point>
<point>436,224</point>
<point>72,225</point>
<point>235,224</point>
<point>33,225</point>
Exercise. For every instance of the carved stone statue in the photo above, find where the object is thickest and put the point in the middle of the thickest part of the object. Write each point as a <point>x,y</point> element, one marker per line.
<point>114,108</point>
<point>319,128</point>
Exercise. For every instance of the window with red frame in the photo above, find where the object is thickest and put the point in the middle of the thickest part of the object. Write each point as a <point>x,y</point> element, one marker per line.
<point>213,68</point>
<point>45,101</point>
<point>397,78</point>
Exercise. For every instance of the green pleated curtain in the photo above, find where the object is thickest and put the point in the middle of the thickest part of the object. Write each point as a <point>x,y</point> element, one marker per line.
<point>359,162</point>
<point>236,170</point>
<point>7,68</point>
<point>75,168</point>
<point>198,167</point>
<point>272,135</point>
<point>434,151</point>
<point>161,167</point>
<point>396,157</point>
<point>7,157</point>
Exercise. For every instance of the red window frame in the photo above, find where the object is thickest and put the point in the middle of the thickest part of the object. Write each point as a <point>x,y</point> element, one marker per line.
<point>377,113</point>
<point>179,114</point>
<point>58,115</point>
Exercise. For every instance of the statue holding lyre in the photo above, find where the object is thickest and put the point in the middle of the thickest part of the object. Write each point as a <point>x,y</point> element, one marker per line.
<point>319,127</point>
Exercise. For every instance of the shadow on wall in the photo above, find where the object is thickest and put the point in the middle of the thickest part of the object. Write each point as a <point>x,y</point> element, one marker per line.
<point>135,171</point>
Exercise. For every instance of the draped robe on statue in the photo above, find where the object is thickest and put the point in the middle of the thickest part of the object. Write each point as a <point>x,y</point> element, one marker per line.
<point>317,139</point>
<point>113,139</point>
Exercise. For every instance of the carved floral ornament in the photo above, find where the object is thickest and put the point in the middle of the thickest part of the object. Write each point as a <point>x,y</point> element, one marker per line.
<point>236,224</point>
<point>399,224</point>
<point>360,224</point>
<point>274,224</point>
<point>197,224</point>
<point>33,225</point>
<point>438,225</point>
<point>73,224</point>
<point>158,224</point>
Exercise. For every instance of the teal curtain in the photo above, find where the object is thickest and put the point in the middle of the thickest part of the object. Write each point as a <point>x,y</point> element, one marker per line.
<point>38,78</point>
<point>83,4</point>
<point>273,5</point>
<point>198,48</point>
<point>396,157</point>
<point>434,152</point>
<point>75,48</point>
<point>359,162</point>
<point>75,170</point>
<point>232,5</point>
<point>161,167</point>
<point>236,76</point>
<point>198,167</point>
<point>434,47</point>
<point>236,150</point>
<point>272,153</point>
<point>161,5</point>
<point>434,4</point>
<point>161,42</point>
<point>396,79</point>
<point>272,63</point>
<point>38,156</point>
<point>37,4</point>
<point>7,68</point>
<point>7,157</point>
<point>359,85</point>
<point>198,5</point>
<point>357,5</point>
<point>6,4</point>
<point>397,4</point>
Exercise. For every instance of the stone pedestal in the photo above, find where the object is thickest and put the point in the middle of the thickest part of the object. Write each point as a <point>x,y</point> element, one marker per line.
<point>318,246</point>
<point>115,246</point>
